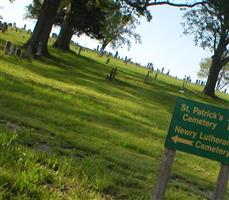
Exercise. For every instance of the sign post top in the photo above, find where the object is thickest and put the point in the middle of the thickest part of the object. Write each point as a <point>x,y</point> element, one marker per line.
<point>200,129</point>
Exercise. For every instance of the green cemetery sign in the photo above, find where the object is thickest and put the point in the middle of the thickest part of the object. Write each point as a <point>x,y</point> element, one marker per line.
<point>200,129</point>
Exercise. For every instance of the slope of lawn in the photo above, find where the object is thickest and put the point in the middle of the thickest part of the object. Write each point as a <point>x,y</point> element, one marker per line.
<point>67,133</point>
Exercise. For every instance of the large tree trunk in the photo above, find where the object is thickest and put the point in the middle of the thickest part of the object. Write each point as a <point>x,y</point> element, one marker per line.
<point>216,65</point>
<point>65,35</point>
<point>43,27</point>
<point>104,45</point>
<point>215,68</point>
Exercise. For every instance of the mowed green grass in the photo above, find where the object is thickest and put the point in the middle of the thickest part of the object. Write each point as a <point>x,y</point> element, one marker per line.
<point>67,133</point>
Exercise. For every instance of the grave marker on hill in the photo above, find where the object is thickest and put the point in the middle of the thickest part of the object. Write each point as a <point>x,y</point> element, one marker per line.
<point>199,129</point>
<point>7,47</point>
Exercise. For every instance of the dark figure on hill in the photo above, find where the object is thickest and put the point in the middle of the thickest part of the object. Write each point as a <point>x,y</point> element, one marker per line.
<point>116,54</point>
<point>108,60</point>
<point>162,70</point>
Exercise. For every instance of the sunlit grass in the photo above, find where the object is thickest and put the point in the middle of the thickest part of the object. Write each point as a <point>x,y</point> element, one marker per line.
<point>112,133</point>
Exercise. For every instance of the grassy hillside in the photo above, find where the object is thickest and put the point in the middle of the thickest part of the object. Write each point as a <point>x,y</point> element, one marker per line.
<point>67,133</point>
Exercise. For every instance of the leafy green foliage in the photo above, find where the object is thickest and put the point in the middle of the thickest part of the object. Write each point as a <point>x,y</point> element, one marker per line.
<point>209,24</point>
<point>118,30</point>
<point>223,79</point>
<point>33,9</point>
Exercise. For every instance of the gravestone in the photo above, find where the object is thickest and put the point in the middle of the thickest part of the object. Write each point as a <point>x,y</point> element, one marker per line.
<point>80,49</point>
<point>39,49</point>
<point>116,54</point>
<point>4,27</point>
<point>186,80</point>
<point>7,47</point>
<point>12,49</point>
<point>162,70</point>
<point>108,60</point>
<point>156,74</point>
<point>112,74</point>
<point>150,66</point>
<point>28,52</point>
<point>17,52</point>
<point>183,83</point>
<point>126,60</point>
<point>146,77</point>
<point>23,55</point>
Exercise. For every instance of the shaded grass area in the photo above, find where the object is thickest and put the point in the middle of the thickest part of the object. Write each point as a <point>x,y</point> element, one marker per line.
<point>112,132</point>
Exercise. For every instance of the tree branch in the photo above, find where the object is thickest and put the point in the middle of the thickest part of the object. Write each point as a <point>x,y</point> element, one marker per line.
<point>143,5</point>
<point>221,87</point>
<point>156,3</point>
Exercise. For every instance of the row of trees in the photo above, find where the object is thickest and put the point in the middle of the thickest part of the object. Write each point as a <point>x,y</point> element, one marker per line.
<point>106,21</point>
<point>110,20</point>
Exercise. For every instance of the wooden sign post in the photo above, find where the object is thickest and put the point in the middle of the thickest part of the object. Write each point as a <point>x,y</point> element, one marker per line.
<point>164,174</point>
<point>222,182</point>
<point>199,129</point>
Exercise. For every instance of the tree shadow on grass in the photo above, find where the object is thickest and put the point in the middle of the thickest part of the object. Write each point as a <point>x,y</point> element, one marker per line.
<point>93,129</point>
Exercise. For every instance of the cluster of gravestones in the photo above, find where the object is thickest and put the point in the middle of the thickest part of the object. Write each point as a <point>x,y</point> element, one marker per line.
<point>104,53</point>
<point>150,66</point>
<point>127,60</point>
<point>137,64</point>
<point>162,71</point>
<point>186,80</point>
<point>11,49</point>
<point>134,63</point>
<point>199,82</point>
<point>101,53</point>
<point>112,74</point>
<point>29,32</point>
<point>3,27</point>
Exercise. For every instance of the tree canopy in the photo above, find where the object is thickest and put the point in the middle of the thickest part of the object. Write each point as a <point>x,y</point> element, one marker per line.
<point>141,6</point>
<point>119,29</point>
<point>223,78</point>
<point>209,23</point>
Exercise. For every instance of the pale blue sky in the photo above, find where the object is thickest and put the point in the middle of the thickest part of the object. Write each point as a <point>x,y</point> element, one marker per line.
<point>162,40</point>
